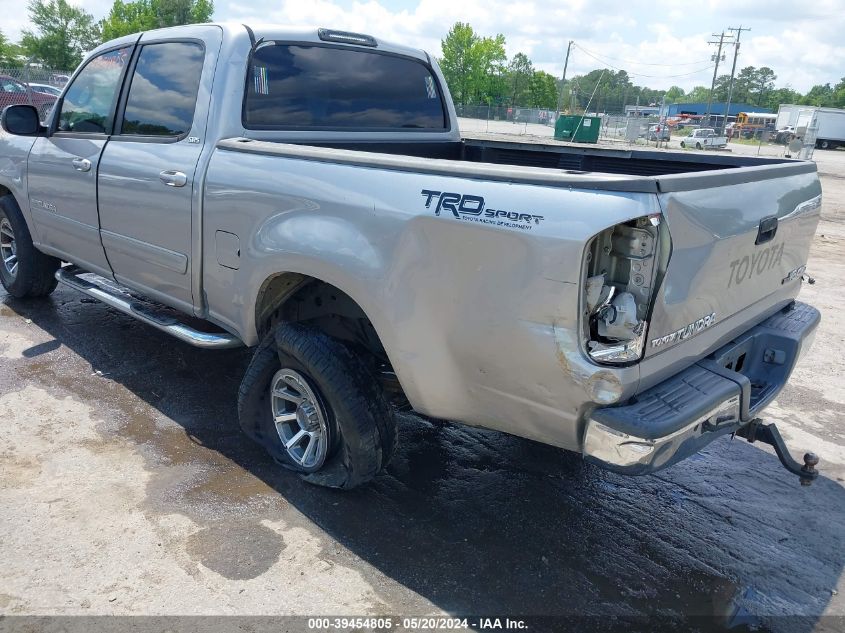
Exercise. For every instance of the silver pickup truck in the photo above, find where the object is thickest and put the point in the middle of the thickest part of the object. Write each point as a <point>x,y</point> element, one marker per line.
<point>307,192</point>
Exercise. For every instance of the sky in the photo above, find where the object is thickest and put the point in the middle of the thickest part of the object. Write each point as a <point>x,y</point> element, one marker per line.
<point>659,42</point>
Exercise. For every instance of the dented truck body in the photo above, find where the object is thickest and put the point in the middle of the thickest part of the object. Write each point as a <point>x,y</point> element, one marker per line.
<point>488,321</point>
<point>628,305</point>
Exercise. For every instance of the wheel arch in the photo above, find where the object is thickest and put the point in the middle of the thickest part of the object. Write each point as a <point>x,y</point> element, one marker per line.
<point>6,191</point>
<point>301,298</point>
<point>16,194</point>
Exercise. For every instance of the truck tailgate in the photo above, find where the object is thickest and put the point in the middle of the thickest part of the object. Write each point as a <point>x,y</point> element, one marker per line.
<point>737,242</point>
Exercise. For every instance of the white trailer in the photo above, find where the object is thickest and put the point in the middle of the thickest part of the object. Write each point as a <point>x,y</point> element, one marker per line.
<point>831,128</point>
<point>794,116</point>
<point>828,124</point>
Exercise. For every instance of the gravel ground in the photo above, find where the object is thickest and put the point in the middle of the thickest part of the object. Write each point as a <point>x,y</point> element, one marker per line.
<point>127,488</point>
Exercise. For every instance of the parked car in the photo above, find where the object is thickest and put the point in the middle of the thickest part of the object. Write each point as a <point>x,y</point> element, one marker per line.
<point>757,132</point>
<point>703,138</point>
<point>785,134</point>
<point>317,202</point>
<point>659,132</point>
<point>14,92</point>
<point>46,89</point>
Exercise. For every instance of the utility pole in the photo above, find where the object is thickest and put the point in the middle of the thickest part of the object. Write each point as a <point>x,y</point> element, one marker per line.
<point>733,72</point>
<point>563,79</point>
<point>718,58</point>
<point>662,120</point>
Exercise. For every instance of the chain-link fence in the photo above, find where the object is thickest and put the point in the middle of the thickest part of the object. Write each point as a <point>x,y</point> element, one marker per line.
<point>505,119</point>
<point>522,121</point>
<point>39,87</point>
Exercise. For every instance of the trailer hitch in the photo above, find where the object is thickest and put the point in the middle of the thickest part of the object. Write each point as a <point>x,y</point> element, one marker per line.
<point>756,430</point>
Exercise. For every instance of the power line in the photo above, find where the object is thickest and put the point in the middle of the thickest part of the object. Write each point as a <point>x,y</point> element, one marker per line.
<point>601,61</point>
<point>738,32</point>
<point>628,61</point>
<point>717,58</point>
<point>563,78</point>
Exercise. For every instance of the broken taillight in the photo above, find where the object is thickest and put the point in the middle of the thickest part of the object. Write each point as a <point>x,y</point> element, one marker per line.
<point>621,272</point>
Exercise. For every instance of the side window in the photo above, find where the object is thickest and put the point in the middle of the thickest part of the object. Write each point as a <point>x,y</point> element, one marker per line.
<point>7,84</point>
<point>88,103</point>
<point>163,93</point>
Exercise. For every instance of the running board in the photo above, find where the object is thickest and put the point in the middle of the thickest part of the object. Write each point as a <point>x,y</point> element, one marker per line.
<point>124,302</point>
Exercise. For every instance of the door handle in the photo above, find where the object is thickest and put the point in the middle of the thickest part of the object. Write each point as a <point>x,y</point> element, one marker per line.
<point>173,178</point>
<point>81,164</point>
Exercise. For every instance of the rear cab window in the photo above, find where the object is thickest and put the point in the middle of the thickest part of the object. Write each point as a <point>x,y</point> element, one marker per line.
<point>321,87</point>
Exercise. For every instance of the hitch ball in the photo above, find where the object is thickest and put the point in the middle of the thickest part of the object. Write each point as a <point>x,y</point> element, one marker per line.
<point>811,460</point>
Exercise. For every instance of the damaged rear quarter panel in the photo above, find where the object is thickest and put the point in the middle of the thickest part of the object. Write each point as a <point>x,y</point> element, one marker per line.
<point>475,316</point>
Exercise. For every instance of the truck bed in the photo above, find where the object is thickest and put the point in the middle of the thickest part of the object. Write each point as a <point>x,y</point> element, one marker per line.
<point>534,163</point>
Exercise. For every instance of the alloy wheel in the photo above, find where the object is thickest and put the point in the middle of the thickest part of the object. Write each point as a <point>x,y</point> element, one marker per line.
<point>299,418</point>
<point>8,247</point>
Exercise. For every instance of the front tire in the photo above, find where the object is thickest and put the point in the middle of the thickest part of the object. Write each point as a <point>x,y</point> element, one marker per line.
<point>25,272</point>
<point>683,144</point>
<point>316,408</point>
<point>698,146</point>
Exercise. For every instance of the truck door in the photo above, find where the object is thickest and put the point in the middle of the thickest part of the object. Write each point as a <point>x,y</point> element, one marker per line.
<point>62,167</point>
<point>147,189</point>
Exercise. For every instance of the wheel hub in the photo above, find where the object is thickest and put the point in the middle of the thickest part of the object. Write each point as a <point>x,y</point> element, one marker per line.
<point>299,419</point>
<point>308,418</point>
<point>8,247</point>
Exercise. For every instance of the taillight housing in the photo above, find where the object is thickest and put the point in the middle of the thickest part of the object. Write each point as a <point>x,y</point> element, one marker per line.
<point>622,267</point>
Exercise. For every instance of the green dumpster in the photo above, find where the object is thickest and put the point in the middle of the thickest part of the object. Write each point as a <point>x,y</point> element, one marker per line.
<point>578,129</point>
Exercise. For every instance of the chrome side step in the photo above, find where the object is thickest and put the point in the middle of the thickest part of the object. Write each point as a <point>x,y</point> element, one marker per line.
<point>124,302</point>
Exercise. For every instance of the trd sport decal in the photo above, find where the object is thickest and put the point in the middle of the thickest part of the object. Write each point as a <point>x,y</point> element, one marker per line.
<point>473,209</point>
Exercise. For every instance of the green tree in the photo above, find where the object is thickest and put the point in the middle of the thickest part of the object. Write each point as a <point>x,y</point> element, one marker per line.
<point>488,81</point>
<point>839,94</point>
<point>781,95</point>
<point>819,95</point>
<point>9,52</point>
<point>63,33</point>
<point>472,65</point>
<point>127,17</point>
<point>675,94</point>
<point>744,84</point>
<point>520,71</point>
<point>457,63</point>
<point>722,88</point>
<point>542,89</point>
<point>764,82</point>
<point>143,15</point>
<point>4,50</point>
<point>699,94</point>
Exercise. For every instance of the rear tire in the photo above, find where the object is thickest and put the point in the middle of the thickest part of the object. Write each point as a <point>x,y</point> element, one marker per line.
<point>341,408</point>
<point>683,144</point>
<point>698,146</point>
<point>25,272</point>
<point>824,145</point>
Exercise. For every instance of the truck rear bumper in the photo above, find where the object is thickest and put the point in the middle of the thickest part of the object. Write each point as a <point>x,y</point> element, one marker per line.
<point>717,395</point>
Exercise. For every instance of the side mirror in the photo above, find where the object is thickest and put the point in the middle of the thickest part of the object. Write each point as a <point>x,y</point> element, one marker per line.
<point>21,120</point>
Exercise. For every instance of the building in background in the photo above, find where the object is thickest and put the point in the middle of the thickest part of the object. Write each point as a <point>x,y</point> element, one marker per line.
<point>717,108</point>
<point>642,110</point>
